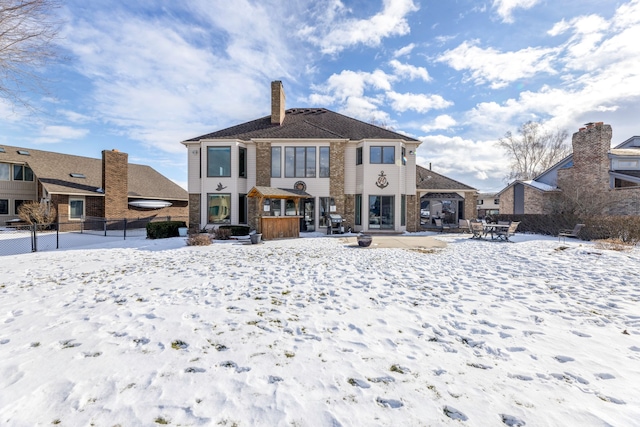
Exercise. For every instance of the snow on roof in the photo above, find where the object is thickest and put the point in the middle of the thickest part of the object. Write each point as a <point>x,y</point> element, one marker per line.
<point>540,185</point>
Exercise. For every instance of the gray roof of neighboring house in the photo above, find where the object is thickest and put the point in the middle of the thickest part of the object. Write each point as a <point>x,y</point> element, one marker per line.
<point>429,180</point>
<point>630,173</point>
<point>306,123</point>
<point>53,171</point>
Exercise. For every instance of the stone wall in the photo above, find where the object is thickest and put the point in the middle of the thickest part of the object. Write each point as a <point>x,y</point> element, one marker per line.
<point>413,213</point>
<point>336,185</point>
<point>470,205</point>
<point>263,164</point>
<point>194,211</point>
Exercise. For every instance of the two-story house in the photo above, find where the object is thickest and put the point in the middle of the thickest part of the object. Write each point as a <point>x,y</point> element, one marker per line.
<point>328,163</point>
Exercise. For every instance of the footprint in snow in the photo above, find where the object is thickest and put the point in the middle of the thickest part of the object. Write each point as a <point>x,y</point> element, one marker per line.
<point>274,379</point>
<point>193,370</point>
<point>512,421</point>
<point>604,376</point>
<point>453,413</point>
<point>581,334</point>
<point>389,403</point>
<point>564,359</point>
<point>358,383</point>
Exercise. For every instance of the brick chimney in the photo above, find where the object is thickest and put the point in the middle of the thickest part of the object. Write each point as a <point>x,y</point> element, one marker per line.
<point>115,171</point>
<point>591,145</point>
<point>277,103</point>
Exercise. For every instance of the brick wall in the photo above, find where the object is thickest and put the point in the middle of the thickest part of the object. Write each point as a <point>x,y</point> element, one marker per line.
<point>115,183</point>
<point>506,201</point>
<point>590,157</point>
<point>277,103</point>
<point>194,211</point>
<point>413,213</point>
<point>470,205</point>
<point>535,201</point>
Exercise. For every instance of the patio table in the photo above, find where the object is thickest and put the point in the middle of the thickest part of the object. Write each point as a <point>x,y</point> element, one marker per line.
<point>495,228</point>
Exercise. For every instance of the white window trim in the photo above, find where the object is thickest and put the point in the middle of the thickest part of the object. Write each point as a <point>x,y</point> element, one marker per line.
<point>84,207</point>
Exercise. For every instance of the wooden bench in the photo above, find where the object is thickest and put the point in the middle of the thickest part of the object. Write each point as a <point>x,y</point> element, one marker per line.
<point>570,233</point>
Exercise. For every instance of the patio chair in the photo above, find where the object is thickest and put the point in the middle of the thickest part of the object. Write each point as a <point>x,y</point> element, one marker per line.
<point>440,226</point>
<point>464,226</point>
<point>477,229</point>
<point>570,233</point>
<point>505,234</point>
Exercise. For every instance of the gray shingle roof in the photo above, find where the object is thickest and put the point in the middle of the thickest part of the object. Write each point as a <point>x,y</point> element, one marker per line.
<point>429,180</point>
<point>306,123</point>
<point>53,171</point>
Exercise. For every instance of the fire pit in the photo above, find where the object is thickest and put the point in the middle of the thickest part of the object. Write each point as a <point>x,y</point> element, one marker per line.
<point>364,240</point>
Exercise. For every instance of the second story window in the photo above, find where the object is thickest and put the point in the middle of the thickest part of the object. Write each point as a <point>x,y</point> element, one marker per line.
<point>22,173</point>
<point>276,162</point>
<point>242,162</point>
<point>359,156</point>
<point>386,155</point>
<point>325,167</point>
<point>300,162</point>
<point>218,161</point>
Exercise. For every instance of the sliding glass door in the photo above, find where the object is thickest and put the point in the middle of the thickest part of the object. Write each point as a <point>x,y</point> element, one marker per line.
<point>381,210</point>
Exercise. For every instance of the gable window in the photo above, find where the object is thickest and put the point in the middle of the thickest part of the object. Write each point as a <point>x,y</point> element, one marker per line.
<point>276,162</point>
<point>300,162</point>
<point>76,208</point>
<point>5,171</point>
<point>4,206</point>
<point>219,208</point>
<point>385,155</point>
<point>22,173</point>
<point>218,161</point>
<point>242,162</point>
<point>325,167</point>
<point>359,156</point>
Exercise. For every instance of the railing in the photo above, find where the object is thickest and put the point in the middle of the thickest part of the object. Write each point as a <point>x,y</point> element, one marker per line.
<point>18,238</point>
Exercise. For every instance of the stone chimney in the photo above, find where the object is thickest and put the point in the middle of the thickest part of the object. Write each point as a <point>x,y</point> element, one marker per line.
<point>591,145</point>
<point>277,103</point>
<point>115,183</point>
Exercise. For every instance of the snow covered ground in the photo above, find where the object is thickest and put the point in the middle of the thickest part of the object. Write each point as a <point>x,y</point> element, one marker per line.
<point>314,332</point>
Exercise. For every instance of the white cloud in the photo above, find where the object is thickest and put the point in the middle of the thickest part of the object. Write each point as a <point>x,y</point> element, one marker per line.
<point>335,32</point>
<point>498,68</point>
<point>417,102</point>
<point>441,122</point>
<point>406,50</point>
<point>408,71</point>
<point>505,8</point>
<point>54,134</point>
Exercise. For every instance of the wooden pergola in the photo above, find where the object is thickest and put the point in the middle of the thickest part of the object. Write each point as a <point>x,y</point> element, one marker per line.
<point>278,227</point>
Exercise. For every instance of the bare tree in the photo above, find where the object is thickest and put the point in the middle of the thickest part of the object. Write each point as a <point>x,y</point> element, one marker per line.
<point>28,30</point>
<point>534,150</point>
<point>37,213</point>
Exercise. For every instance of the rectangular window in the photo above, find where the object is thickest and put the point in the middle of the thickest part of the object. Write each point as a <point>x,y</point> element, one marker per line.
<point>290,207</point>
<point>359,156</point>
<point>381,209</point>
<point>242,209</point>
<point>325,166</point>
<point>358,213</point>
<point>22,173</point>
<point>219,208</point>
<point>300,162</point>
<point>403,209</point>
<point>5,172</point>
<point>242,162</point>
<point>404,156</point>
<point>325,208</point>
<point>76,208</point>
<point>218,161</point>
<point>276,162</point>
<point>480,201</point>
<point>4,206</point>
<point>496,201</point>
<point>276,207</point>
<point>384,155</point>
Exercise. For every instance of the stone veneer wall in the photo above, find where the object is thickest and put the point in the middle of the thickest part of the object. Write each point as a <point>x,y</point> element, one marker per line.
<point>590,157</point>
<point>336,185</point>
<point>470,205</point>
<point>413,213</point>
<point>194,211</point>
<point>263,179</point>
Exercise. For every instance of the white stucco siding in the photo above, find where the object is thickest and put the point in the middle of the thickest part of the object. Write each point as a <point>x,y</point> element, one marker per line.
<point>350,170</point>
<point>193,167</point>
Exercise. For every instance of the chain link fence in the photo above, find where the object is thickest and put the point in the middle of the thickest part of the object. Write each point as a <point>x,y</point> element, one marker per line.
<point>24,238</point>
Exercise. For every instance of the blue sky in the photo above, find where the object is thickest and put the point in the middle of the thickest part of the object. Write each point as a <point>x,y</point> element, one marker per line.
<point>457,75</point>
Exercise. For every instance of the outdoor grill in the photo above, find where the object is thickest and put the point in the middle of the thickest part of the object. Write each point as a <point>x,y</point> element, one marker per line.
<point>334,225</point>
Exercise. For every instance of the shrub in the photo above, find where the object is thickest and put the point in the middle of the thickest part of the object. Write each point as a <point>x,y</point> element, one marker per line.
<point>200,239</point>
<point>221,233</point>
<point>164,229</point>
<point>37,213</point>
<point>236,230</point>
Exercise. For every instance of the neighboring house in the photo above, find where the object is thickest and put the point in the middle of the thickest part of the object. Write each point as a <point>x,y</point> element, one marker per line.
<point>444,198</point>
<point>488,204</point>
<point>79,187</point>
<point>599,178</point>
<point>329,164</point>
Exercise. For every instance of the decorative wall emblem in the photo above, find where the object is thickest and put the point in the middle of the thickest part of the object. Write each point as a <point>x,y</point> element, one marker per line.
<point>220,187</point>
<point>382,180</point>
<point>300,186</point>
